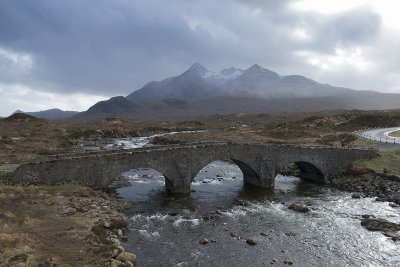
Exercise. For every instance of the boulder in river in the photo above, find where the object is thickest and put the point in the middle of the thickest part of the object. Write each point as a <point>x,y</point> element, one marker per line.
<point>393,235</point>
<point>252,241</point>
<point>204,241</point>
<point>298,207</point>
<point>379,224</point>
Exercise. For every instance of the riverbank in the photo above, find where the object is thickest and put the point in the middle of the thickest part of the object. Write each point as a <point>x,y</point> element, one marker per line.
<point>367,183</point>
<point>61,225</point>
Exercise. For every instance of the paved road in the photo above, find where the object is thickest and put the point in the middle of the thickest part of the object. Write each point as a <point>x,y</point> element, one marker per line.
<point>380,135</point>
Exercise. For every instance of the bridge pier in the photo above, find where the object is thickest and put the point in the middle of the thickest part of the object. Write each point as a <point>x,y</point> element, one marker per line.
<point>261,174</point>
<point>175,187</point>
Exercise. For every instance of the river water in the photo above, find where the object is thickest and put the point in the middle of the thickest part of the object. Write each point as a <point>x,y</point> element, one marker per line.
<point>165,230</point>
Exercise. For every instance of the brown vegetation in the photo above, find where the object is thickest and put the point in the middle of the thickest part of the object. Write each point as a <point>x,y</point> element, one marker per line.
<point>23,137</point>
<point>46,225</point>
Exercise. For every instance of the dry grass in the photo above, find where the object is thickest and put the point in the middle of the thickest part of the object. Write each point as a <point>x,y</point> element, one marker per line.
<point>33,231</point>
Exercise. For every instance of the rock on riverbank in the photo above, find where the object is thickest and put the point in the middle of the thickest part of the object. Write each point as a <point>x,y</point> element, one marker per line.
<point>382,186</point>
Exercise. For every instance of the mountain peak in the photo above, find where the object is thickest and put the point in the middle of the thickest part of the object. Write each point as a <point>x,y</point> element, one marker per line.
<point>256,67</point>
<point>260,71</point>
<point>197,68</point>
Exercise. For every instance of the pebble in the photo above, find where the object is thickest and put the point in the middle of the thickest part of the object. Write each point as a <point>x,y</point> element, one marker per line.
<point>291,234</point>
<point>204,241</point>
<point>129,263</point>
<point>116,263</point>
<point>126,256</point>
<point>115,241</point>
<point>119,232</point>
<point>115,253</point>
<point>288,262</point>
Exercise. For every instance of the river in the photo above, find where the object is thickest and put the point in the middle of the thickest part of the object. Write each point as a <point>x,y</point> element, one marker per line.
<point>165,230</point>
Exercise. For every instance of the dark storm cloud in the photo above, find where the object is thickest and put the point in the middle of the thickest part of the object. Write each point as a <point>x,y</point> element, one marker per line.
<point>112,47</point>
<point>92,44</point>
<point>356,27</point>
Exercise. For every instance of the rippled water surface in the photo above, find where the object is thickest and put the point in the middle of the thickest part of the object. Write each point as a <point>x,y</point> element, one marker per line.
<point>165,231</point>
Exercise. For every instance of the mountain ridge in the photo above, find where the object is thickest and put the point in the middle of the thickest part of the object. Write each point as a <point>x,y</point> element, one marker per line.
<point>198,91</point>
<point>198,82</point>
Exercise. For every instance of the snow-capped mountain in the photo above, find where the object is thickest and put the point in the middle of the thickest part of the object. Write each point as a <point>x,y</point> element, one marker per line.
<point>200,83</point>
<point>199,91</point>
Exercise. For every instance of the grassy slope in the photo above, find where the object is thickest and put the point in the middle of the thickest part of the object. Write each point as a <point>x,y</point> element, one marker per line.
<point>395,134</point>
<point>387,159</point>
<point>363,143</point>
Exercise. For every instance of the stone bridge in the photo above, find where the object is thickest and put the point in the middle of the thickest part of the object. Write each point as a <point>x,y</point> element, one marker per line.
<point>259,163</point>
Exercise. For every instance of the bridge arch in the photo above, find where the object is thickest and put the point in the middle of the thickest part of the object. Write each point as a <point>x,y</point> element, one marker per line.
<point>249,172</point>
<point>310,172</point>
<point>164,170</point>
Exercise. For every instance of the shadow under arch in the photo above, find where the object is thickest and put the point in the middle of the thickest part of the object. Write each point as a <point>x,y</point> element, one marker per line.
<point>152,172</point>
<point>250,176</point>
<point>310,172</point>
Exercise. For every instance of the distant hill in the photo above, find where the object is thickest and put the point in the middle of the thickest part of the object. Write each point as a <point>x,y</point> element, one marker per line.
<point>51,114</point>
<point>231,105</point>
<point>18,117</point>
<point>117,106</point>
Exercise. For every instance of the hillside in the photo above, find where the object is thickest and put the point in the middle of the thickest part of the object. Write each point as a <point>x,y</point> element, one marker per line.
<point>232,105</point>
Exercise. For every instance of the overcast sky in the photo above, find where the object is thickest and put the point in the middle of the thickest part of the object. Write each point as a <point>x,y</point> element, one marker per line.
<point>71,54</point>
